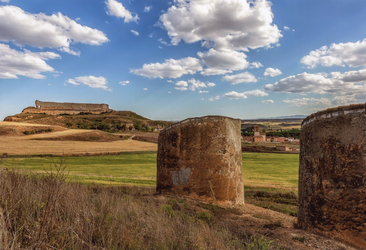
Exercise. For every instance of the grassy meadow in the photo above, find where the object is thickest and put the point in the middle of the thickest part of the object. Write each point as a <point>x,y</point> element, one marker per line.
<point>265,170</point>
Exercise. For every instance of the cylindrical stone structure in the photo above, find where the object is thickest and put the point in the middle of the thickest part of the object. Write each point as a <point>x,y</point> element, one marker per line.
<point>332,174</point>
<point>201,158</point>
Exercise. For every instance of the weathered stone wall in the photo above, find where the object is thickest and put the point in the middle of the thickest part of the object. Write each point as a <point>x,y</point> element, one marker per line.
<point>70,105</point>
<point>332,174</point>
<point>57,108</point>
<point>201,158</point>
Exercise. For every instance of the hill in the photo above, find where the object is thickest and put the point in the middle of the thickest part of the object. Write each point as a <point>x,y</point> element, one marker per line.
<point>114,119</point>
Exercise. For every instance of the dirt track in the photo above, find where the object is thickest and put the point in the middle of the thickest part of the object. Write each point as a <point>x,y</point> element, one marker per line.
<point>24,145</point>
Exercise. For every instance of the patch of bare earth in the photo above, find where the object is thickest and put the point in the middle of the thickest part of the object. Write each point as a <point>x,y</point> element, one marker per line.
<point>68,142</point>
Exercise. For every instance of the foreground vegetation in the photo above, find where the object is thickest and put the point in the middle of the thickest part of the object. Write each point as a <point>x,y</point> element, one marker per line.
<point>270,179</point>
<point>45,212</point>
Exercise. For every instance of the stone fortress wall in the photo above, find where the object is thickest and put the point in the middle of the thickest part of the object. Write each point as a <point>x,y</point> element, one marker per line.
<point>201,158</point>
<point>57,108</point>
<point>332,174</point>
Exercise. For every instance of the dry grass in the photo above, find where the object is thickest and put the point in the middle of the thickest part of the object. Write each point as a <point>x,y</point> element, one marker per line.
<point>45,212</point>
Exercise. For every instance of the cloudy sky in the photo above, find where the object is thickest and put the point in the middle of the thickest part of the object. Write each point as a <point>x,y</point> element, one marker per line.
<point>171,60</point>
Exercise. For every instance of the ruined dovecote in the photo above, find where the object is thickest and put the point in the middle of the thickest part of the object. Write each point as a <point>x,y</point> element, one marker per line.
<point>201,158</point>
<point>332,174</point>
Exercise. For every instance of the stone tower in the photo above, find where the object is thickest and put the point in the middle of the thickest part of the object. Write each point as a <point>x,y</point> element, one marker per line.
<point>201,158</point>
<point>332,174</point>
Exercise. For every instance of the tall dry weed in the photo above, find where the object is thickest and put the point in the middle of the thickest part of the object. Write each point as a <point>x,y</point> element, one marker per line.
<point>45,212</point>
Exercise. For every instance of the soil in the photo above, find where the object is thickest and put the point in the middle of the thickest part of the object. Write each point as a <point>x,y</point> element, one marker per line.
<point>16,142</point>
<point>271,225</point>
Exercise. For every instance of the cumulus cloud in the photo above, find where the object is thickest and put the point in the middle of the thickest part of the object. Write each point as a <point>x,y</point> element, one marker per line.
<point>302,83</point>
<point>222,61</point>
<point>40,30</point>
<point>124,83</point>
<point>181,85</point>
<point>341,86</point>
<point>234,24</point>
<point>171,68</point>
<point>308,101</point>
<point>5,1</point>
<point>115,8</point>
<point>135,32</point>
<point>16,63</point>
<point>341,54</point>
<point>244,95</point>
<point>268,101</point>
<point>255,65</point>
<point>145,89</point>
<point>147,8</point>
<point>353,76</point>
<point>202,91</point>
<point>193,84</point>
<point>272,72</point>
<point>245,77</point>
<point>286,28</point>
<point>91,81</point>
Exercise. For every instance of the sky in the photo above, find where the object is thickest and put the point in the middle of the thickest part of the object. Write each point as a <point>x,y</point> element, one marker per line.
<point>171,60</point>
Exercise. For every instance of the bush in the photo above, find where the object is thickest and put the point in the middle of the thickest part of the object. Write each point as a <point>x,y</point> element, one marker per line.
<point>68,124</point>
<point>27,132</point>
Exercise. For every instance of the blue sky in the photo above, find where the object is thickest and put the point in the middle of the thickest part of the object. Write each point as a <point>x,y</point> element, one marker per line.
<point>170,60</point>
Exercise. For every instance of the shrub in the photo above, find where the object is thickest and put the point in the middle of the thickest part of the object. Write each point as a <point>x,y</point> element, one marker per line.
<point>49,130</point>
<point>27,132</point>
<point>68,124</point>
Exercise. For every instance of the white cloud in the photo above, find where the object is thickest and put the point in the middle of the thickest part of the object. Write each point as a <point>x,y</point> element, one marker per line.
<point>169,81</point>
<point>203,91</point>
<point>272,72</point>
<point>91,81</point>
<point>15,63</point>
<point>5,1</point>
<point>308,101</point>
<point>286,28</point>
<point>234,24</point>
<point>181,85</point>
<point>196,84</point>
<point>240,78</point>
<point>341,54</point>
<point>135,32</point>
<point>193,85</point>
<point>116,8</point>
<point>302,83</point>
<point>235,95</point>
<point>124,83</point>
<point>163,42</point>
<point>354,76</point>
<point>147,8</point>
<point>268,101</point>
<point>255,65</point>
<point>40,30</point>
<point>223,61</point>
<point>145,89</point>
<point>171,68</point>
<point>338,85</point>
<point>214,98</point>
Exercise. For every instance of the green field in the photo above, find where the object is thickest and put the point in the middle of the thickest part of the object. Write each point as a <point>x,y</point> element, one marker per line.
<point>259,169</point>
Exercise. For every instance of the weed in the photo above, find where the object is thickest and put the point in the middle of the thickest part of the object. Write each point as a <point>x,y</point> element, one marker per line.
<point>274,225</point>
<point>301,239</point>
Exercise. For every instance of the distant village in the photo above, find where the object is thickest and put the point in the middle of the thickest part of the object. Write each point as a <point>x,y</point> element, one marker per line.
<point>258,136</point>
